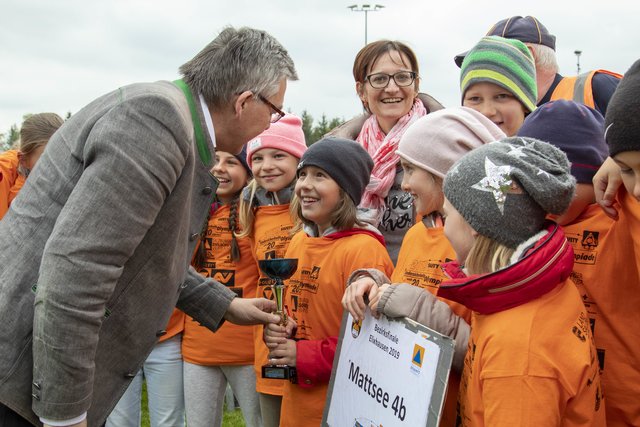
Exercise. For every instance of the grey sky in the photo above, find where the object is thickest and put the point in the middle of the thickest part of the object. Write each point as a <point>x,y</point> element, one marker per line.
<point>60,55</point>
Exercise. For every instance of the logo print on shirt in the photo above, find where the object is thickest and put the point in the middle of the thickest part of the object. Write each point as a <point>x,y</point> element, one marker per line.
<point>226,277</point>
<point>590,239</point>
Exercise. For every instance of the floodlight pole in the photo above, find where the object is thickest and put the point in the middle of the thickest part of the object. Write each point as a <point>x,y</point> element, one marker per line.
<point>578,53</point>
<point>366,8</point>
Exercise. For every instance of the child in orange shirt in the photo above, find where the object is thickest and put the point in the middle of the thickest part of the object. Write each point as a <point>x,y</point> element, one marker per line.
<point>608,287</point>
<point>498,79</point>
<point>427,151</point>
<point>531,358</point>
<point>622,365</point>
<point>264,217</point>
<point>15,165</point>
<point>332,176</point>
<point>213,360</point>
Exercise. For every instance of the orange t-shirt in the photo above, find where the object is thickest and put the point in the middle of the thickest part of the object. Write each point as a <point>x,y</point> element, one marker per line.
<point>271,236</point>
<point>10,180</point>
<point>423,251</point>
<point>175,325</point>
<point>533,365</point>
<point>231,344</point>
<point>606,272</point>
<point>313,296</point>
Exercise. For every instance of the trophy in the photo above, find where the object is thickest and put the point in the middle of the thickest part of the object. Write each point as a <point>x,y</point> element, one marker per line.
<point>279,269</point>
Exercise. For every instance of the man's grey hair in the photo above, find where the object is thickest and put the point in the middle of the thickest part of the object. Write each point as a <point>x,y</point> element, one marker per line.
<point>238,60</point>
<point>545,57</point>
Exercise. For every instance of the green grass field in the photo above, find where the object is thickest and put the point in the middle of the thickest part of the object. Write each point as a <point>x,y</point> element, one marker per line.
<point>230,419</point>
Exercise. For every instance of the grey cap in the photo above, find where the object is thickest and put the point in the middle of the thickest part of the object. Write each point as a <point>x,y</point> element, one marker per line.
<point>505,189</point>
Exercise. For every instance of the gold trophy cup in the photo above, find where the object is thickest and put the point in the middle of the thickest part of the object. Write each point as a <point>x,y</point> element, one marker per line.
<point>279,269</point>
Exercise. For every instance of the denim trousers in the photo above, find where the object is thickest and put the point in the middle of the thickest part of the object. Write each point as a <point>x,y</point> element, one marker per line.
<point>163,373</point>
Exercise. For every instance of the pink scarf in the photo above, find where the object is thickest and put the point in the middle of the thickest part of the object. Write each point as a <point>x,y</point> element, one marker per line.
<point>382,149</point>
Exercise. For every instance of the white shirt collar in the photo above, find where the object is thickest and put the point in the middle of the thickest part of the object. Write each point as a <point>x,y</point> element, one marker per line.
<point>207,120</point>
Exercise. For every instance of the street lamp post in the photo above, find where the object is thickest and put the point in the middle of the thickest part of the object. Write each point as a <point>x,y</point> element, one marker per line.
<point>366,8</point>
<point>578,53</point>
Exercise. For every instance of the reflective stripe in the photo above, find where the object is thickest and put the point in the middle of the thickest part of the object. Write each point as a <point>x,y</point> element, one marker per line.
<point>578,88</point>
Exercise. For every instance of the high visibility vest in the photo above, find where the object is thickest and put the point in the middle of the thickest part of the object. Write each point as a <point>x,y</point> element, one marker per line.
<point>579,88</point>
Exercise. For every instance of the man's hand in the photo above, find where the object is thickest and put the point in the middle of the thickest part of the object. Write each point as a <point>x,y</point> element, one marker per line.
<point>353,299</point>
<point>251,311</point>
<point>606,183</point>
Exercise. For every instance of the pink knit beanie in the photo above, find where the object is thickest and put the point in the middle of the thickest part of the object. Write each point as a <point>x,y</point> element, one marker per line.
<point>286,134</point>
<point>436,141</point>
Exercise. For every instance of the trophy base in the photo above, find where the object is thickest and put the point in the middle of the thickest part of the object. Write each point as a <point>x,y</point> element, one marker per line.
<point>280,372</point>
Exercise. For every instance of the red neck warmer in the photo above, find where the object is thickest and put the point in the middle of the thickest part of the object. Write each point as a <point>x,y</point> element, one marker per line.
<point>542,267</point>
<point>352,231</point>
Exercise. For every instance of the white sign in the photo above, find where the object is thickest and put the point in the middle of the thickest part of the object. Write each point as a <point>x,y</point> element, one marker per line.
<point>388,373</point>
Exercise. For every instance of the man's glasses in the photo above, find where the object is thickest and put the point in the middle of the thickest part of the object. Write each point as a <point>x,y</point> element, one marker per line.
<point>381,80</point>
<point>277,113</point>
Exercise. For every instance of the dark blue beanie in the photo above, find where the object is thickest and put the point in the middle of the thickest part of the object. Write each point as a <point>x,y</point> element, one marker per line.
<point>242,158</point>
<point>344,160</point>
<point>575,129</point>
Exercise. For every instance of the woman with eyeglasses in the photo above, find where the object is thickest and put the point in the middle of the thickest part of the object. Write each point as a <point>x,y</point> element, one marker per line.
<point>387,81</point>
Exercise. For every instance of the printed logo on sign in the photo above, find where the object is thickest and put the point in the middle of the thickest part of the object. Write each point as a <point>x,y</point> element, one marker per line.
<point>417,359</point>
<point>356,325</point>
<point>418,355</point>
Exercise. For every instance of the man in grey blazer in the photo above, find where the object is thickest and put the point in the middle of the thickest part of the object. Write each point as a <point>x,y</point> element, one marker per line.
<point>95,250</point>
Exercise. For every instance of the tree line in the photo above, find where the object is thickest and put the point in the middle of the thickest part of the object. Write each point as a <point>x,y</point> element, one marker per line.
<point>313,130</point>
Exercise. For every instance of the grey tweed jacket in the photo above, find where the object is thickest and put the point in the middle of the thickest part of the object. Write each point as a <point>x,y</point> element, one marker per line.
<point>95,251</point>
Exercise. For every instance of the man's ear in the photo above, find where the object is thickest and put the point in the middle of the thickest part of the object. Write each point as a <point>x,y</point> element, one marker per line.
<point>531,51</point>
<point>241,102</point>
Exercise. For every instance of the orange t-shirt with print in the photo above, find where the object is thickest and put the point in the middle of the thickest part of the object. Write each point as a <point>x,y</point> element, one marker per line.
<point>175,325</point>
<point>231,344</point>
<point>607,274</point>
<point>423,251</point>
<point>533,365</point>
<point>10,180</point>
<point>271,236</point>
<point>313,297</point>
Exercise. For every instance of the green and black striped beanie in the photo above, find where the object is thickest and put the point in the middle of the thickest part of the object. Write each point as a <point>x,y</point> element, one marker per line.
<point>504,62</point>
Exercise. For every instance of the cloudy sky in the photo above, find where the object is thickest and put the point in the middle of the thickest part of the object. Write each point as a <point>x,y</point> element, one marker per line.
<point>59,55</point>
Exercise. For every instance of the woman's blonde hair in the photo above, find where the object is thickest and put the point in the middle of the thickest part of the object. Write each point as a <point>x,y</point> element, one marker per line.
<point>37,129</point>
<point>487,255</point>
<point>344,217</point>
<point>247,210</point>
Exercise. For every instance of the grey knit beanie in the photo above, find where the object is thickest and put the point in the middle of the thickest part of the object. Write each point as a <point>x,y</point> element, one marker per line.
<point>505,189</point>
<point>434,142</point>
<point>346,161</point>
<point>621,122</point>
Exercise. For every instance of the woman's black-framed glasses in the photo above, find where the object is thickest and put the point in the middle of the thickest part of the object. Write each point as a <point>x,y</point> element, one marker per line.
<point>381,80</point>
<point>277,113</point>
